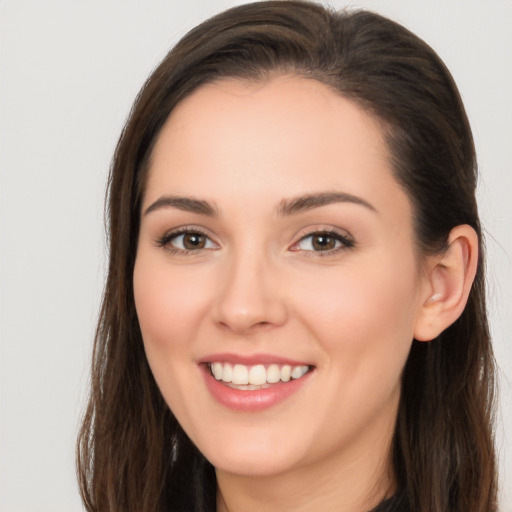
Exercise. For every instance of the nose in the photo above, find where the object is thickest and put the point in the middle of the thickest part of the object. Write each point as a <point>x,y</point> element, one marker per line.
<point>249,297</point>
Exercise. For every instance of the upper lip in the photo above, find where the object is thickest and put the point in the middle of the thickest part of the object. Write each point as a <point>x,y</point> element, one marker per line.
<point>251,360</point>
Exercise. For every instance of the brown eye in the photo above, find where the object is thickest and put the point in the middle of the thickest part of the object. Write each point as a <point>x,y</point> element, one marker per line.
<point>186,241</point>
<point>323,242</point>
<point>192,241</point>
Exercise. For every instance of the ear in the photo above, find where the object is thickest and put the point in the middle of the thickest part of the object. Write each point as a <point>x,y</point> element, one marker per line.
<point>449,277</point>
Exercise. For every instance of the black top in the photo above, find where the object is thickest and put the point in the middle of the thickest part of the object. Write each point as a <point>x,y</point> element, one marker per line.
<point>397,503</point>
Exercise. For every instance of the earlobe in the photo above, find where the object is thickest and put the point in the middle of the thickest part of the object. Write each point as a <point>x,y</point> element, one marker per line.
<point>449,277</point>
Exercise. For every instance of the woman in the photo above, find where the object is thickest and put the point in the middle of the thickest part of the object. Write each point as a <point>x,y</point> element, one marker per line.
<point>294,316</point>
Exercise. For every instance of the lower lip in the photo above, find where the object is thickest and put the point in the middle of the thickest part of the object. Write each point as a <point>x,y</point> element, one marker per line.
<point>251,400</point>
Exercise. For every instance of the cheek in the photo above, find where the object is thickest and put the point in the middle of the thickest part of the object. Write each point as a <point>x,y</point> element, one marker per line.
<point>363,315</point>
<point>169,304</point>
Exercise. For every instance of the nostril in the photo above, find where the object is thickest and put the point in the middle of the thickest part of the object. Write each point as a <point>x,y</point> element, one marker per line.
<point>244,328</point>
<point>244,323</point>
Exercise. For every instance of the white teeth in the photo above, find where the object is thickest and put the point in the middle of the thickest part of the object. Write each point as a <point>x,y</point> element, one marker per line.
<point>273,374</point>
<point>286,372</point>
<point>217,370</point>
<point>240,374</point>
<point>227,372</point>
<point>299,371</point>
<point>257,375</point>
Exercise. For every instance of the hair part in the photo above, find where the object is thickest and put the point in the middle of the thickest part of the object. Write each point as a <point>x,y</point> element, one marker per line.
<point>132,454</point>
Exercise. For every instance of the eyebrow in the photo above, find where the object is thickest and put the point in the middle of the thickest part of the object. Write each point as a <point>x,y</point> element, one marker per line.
<point>286,206</point>
<point>187,204</point>
<point>310,201</point>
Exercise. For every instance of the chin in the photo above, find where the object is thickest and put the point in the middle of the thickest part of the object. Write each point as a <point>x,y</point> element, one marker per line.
<point>261,457</point>
<point>250,466</point>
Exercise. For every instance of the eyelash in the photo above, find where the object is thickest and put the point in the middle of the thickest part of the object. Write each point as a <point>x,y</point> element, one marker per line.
<point>165,241</point>
<point>344,241</point>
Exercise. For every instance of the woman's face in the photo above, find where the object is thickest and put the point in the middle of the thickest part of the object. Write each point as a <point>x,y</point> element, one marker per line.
<point>275,241</point>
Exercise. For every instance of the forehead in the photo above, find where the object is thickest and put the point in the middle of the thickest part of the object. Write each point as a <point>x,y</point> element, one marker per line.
<point>282,137</point>
<point>282,114</point>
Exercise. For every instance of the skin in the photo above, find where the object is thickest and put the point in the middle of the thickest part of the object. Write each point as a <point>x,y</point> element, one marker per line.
<point>258,286</point>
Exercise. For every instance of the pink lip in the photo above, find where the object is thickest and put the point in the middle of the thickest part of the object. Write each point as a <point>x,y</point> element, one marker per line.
<point>251,400</point>
<point>251,360</point>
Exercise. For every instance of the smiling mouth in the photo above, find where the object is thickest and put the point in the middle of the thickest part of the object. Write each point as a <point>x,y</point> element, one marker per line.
<point>255,377</point>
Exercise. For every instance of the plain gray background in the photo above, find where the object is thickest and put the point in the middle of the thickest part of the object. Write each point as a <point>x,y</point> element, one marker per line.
<point>69,71</point>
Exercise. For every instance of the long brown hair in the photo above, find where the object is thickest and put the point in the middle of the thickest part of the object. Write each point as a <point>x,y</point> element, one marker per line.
<point>132,455</point>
